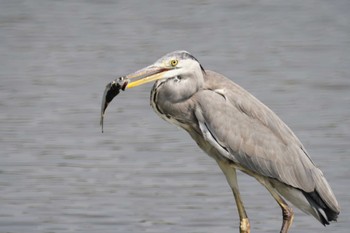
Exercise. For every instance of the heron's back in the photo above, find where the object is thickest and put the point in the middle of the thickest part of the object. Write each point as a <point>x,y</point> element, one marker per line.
<point>246,132</point>
<point>261,142</point>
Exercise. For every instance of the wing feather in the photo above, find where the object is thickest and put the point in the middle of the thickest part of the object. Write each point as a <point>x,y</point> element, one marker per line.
<point>253,135</point>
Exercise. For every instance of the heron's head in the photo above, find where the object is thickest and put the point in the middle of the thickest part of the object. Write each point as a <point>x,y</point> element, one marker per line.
<point>179,71</point>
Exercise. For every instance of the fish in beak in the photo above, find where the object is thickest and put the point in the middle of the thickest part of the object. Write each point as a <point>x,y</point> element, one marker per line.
<point>112,90</point>
<point>145,75</point>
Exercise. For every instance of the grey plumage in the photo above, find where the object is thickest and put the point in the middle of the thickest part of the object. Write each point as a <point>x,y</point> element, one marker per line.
<point>239,132</point>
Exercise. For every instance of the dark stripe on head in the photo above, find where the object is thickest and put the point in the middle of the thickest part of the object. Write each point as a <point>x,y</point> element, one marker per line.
<point>181,54</point>
<point>187,55</point>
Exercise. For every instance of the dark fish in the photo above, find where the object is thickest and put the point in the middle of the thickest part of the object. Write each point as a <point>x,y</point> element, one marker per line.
<point>112,90</point>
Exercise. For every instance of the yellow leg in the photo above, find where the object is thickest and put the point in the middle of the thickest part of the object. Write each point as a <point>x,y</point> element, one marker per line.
<point>287,212</point>
<point>288,216</point>
<point>231,176</point>
<point>244,226</point>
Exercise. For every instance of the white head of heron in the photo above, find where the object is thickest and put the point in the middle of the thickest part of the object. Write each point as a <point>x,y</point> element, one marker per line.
<point>184,78</point>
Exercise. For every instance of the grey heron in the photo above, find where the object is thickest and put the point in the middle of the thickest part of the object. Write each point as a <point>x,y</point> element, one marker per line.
<point>237,131</point>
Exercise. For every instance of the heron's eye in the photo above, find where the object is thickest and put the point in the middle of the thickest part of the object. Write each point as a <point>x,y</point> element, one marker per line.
<point>174,62</point>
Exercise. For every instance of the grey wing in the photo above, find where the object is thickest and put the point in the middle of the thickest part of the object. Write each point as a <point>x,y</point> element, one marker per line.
<point>251,135</point>
<point>244,130</point>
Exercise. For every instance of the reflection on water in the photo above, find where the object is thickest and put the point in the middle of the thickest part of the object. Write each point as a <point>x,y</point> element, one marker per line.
<point>58,173</point>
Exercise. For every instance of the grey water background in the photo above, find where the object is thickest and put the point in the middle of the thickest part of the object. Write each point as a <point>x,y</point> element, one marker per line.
<point>59,173</point>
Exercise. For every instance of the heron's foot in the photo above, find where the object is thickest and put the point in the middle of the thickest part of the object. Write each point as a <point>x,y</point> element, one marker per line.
<point>245,226</point>
<point>288,216</point>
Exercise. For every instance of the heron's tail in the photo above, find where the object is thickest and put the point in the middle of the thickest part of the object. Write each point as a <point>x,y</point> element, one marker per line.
<point>324,213</point>
<point>322,199</point>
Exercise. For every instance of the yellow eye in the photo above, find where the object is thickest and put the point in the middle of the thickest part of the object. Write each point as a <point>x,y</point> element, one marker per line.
<point>174,62</point>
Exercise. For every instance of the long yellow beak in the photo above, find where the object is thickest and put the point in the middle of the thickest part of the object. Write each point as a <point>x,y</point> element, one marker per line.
<point>146,75</point>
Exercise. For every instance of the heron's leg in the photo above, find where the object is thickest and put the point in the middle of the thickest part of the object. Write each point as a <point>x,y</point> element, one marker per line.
<point>231,176</point>
<point>287,212</point>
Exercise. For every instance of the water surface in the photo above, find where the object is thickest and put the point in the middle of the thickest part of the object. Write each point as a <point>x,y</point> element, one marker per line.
<point>58,173</point>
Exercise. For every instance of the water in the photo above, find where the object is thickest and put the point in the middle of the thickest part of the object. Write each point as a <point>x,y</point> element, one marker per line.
<point>58,173</point>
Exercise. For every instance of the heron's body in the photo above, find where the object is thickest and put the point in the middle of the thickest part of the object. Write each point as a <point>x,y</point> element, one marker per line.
<point>245,134</point>
<point>240,132</point>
